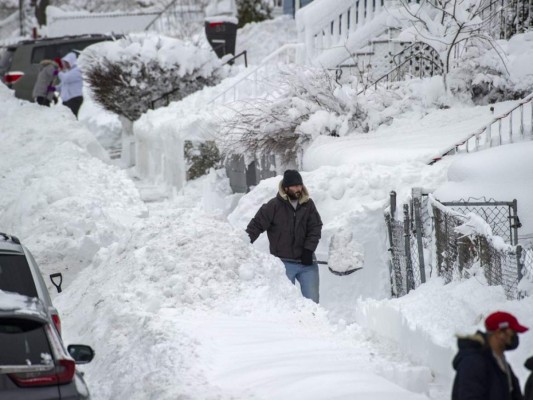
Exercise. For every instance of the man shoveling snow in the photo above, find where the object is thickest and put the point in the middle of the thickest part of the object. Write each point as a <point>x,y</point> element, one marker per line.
<point>294,228</point>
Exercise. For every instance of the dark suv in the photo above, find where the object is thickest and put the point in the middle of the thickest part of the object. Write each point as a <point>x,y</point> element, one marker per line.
<point>34,364</point>
<point>19,63</point>
<point>19,273</point>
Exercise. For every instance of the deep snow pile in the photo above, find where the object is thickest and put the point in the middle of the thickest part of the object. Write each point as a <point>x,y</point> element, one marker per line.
<point>56,195</point>
<point>179,263</point>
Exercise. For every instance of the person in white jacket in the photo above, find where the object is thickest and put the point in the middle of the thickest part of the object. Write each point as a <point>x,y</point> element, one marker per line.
<point>71,86</point>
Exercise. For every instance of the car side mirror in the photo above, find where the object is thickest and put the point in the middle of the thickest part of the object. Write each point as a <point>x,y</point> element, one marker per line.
<point>81,353</point>
<point>57,281</point>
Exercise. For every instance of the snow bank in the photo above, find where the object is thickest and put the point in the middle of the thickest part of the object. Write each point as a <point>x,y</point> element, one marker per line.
<point>424,323</point>
<point>58,197</point>
<point>499,173</point>
<point>177,264</point>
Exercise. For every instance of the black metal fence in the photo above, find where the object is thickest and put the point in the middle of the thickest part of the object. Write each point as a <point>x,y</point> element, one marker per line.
<point>424,241</point>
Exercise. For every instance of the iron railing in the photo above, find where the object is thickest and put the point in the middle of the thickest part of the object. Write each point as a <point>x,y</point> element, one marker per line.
<point>417,60</point>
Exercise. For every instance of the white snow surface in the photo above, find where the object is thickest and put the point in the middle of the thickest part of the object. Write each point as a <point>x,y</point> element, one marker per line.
<point>178,305</point>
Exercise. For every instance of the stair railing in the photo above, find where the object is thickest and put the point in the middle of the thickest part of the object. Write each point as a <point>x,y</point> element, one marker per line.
<point>256,80</point>
<point>416,54</point>
<point>511,126</point>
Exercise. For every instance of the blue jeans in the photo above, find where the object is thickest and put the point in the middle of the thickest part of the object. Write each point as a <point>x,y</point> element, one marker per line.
<point>307,276</point>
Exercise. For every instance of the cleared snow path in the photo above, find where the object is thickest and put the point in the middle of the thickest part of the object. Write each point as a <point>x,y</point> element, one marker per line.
<point>291,357</point>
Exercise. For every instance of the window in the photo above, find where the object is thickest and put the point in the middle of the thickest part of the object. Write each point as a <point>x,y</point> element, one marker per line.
<point>15,275</point>
<point>5,58</point>
<point>23,342</point>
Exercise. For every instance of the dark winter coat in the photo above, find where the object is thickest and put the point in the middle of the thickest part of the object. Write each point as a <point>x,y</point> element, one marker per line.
<point>478,376</point>
<point>289,230</point>
<point>45,79</point>
<point>528,391</point>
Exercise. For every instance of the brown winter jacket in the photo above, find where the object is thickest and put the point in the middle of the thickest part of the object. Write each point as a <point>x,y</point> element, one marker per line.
<point>45,79</point>
<point>289,231</point>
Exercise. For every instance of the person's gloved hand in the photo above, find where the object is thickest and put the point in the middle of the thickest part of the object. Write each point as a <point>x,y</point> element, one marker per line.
<point>56,72</point>
<point>307,257</point>
<point>51,88</point>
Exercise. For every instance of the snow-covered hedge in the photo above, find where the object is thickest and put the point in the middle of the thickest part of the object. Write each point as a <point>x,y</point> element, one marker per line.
<point>127,75</point>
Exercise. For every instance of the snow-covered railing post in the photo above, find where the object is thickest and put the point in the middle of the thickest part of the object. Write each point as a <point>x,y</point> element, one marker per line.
<point>499,132</point>
<point>511,127</point>
<point>521,121</point>
<point>488,135</point>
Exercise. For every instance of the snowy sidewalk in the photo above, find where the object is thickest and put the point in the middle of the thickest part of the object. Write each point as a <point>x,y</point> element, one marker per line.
<point>279,358</point>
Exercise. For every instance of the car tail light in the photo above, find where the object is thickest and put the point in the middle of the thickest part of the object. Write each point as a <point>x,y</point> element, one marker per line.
<point>63,372</point>
<point>12,76</point>
<point>57,323</point>
<point>213,24</point>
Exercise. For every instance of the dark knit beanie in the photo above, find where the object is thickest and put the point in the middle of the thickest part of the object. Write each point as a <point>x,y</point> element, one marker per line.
<point>292,177</point>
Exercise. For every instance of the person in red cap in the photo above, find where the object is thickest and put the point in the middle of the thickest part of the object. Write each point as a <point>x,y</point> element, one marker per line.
<point>482,372</point>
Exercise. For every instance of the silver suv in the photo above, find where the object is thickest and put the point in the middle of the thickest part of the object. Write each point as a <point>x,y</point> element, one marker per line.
<point>34,364</point>
<point>19,63</point>
<point>19,273</point>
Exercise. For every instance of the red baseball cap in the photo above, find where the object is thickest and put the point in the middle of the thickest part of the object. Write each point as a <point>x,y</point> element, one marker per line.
<point>501,320</point>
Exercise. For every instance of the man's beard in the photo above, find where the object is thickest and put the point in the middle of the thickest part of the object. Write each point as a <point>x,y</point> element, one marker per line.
<point>294,195</point>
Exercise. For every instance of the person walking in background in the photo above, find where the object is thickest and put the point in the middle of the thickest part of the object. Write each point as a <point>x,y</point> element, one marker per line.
<point>528,390</point>
<point>71,83</point>
<point>44,88</point>
<point>482,372</point>
<point>294,227</point>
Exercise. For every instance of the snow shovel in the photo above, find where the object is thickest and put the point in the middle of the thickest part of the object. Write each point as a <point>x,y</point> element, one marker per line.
<point>340,273</point>
<point>345,254</point>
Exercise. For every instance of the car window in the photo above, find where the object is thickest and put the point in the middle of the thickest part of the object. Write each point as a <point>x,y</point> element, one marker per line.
<point>23,342</point>
<point>15,275</point>
<point>40,53</point>
<point>52,51</point>
<point>6,56</point>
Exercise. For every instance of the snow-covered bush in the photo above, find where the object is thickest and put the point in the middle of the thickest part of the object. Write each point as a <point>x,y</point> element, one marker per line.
<point>310,103</point>
<point>253,11</point>
<point>129,75</point>
<point>489,76</point>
